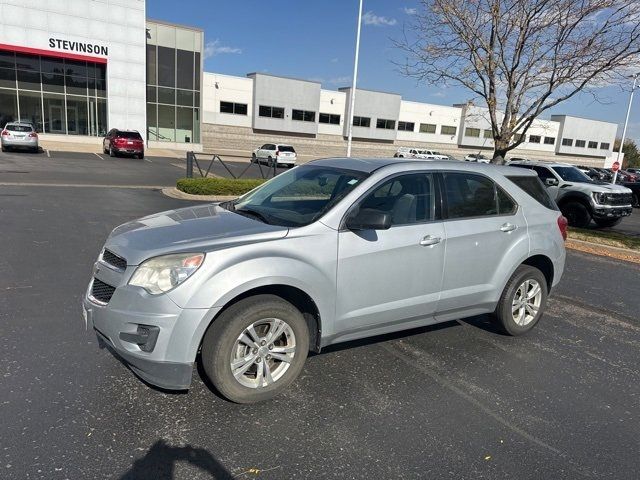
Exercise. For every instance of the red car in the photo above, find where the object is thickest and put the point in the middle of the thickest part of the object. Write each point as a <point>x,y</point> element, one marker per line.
<point>123,142</point>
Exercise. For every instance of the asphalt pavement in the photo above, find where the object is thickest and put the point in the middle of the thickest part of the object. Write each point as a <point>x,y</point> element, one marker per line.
<point>457,400</point>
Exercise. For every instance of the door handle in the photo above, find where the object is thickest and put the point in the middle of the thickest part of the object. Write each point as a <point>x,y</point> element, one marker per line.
<point>430,240</point>
<point>508,227</point>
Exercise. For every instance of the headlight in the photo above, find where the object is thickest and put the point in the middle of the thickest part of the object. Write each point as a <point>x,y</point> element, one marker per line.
<point>161,274</point>
<point>600,197</point>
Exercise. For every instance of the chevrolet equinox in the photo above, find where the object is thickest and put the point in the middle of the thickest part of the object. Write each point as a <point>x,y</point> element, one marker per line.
<point>331,251</point>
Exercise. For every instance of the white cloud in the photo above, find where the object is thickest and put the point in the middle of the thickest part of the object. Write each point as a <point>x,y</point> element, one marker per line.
<point>410,11</point>
<point>214,48</point>
<point>371,18</point>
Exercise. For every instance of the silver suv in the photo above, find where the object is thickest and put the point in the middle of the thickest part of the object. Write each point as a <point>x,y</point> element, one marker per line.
<point>331,251</point>
<point>581,198</point>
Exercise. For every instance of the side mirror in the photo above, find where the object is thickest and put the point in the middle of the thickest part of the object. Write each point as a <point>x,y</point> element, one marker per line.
<point>551,182</point>
<point>369,219</point>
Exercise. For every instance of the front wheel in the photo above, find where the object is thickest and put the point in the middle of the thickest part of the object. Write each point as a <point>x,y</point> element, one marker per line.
<point>607,222</point>
<point>522,302</point>
<point>255,349</point>
<point>112,152</point>
<point>254,159</point>
<point>577,214</point>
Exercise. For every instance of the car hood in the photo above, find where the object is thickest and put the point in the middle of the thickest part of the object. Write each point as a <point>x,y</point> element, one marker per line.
<point>194,229</point>
<point>609,187</point>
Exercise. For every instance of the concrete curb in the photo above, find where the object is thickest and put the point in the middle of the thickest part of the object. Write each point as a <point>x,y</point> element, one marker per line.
<point>618,253</point>
<point>173,192</point>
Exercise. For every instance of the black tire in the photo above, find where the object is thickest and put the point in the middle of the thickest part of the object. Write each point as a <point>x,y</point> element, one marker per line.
<point>140,156</point>
<point>220,339</point>
<point>607,222</point>
<point>254,159</point>
<point>270,162</point>
<point>503,314</point>
<point>105,150</point>
<point>636,200</point>
<point>112,152</point>
<point>4,149</point>
<point>577,214</point>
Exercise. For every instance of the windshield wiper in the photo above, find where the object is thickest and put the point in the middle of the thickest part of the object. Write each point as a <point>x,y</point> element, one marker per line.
<point>248,212</point>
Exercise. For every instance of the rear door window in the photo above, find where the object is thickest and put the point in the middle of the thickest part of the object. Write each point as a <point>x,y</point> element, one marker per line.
<point>470,195</point>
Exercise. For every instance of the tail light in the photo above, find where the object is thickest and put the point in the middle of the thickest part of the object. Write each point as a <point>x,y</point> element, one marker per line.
<point>5,133</point>
<point>562,225</point>
<point>33,135</point>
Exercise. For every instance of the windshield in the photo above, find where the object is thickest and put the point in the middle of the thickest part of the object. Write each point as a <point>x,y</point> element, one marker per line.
<point>297,197</point>
<point>571,174</point>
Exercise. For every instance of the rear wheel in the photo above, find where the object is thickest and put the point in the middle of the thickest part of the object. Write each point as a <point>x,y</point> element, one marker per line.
<point>4,149</point>
<point>255,349</point>
<point>112,152</point>
<point>140,155</point>
<point>607,222</point>
<point>522,302</point>
<point>577,214</point>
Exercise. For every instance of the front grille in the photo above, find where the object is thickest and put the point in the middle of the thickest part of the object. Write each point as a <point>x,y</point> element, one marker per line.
<point>101,291</point>
<point>619,199</point>
<point>114,260</point>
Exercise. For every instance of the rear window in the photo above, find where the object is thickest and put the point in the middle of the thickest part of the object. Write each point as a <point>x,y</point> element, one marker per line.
<point>286,148</point>
<point>134,135</point>
<point>534,187</point>
<point>19,128</point>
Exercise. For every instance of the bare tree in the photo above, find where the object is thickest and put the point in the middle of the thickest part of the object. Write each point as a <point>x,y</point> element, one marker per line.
<point>522,57</point>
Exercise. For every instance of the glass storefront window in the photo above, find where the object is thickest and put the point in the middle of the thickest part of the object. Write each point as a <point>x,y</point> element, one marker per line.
<point>151,65</point>
<point>184,125</point>
<point>166,67</point>
<point>166,123</point>
<point>54,113</point>
<point>184,69</point>
<point>8,107</point>
<point>77,123</point>
<point>152,121</point>
<point>185,97</point>
<point>31,108</point>
<point>166,95</point>
<point>72,99</point>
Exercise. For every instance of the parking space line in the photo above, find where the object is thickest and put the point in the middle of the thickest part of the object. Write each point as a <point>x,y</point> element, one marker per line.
<point>48,153</point>
<point>147,160</point>
<point>98,155</point>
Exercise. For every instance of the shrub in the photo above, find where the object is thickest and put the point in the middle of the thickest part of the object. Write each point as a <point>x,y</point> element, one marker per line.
<point>217,186</point>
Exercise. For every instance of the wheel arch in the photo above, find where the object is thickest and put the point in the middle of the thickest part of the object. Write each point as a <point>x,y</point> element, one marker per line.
<point>544,264</point>
<point>579,197</point>
<point>289,293</point>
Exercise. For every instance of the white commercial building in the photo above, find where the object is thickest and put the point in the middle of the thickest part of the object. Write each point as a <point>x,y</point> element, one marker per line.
<point>77,68</point>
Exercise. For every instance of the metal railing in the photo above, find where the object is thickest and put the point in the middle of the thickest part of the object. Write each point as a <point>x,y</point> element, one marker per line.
<point>192,159</point>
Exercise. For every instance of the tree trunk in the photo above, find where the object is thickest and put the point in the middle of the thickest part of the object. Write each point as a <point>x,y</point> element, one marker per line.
<point>500,151</point>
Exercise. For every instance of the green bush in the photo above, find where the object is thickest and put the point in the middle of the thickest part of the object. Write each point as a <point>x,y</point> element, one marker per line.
<point>217,186</point>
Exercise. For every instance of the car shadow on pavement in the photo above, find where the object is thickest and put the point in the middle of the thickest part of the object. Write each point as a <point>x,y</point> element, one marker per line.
<point>159,463</point>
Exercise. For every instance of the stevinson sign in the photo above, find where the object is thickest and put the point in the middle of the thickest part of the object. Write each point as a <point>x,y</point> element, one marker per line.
<point>78,47</point>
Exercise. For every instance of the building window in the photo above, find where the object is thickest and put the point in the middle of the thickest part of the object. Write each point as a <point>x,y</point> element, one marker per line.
<point>604,146</point>
<point>447,130</point>
<point>386,124</point>
<point>580,143</point>
<point>303,115</point>
<point>567,142</point>
<point>361,121</point>
<point>535,138</point>
<point>272,112</point>
<point>406,126</point>
<point>549,140</point>
<point>329,118</point>
<point>472,132</point>
<point>488,134</point>
<point>593,144</point>
<point>235,108</point>
<point>429,128</point>
<point>56,95</point>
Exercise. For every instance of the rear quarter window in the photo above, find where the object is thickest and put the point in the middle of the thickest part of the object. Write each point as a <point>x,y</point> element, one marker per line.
<point>534,187</point>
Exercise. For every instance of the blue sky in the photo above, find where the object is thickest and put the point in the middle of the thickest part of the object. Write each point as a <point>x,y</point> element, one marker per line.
<point>315,40</point>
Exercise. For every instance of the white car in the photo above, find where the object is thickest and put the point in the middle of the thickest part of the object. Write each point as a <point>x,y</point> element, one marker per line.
<point>278,153</point>
<point>436,155</point>
<point>412,152</point>
<point>476,157</point>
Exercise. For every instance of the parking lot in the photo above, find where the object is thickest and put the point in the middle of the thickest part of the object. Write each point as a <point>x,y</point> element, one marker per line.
<point>457,400</point>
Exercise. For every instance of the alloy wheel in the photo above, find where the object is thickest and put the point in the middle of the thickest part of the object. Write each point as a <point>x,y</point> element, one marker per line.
<point>262,353</point>
<point>526,302</point>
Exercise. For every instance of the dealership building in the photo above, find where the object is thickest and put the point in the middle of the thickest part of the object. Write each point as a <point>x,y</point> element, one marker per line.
<point>77,68</point>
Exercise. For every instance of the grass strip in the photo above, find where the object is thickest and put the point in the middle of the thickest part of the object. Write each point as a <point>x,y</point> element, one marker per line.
<point>217,186</point>
<point>613,239</point>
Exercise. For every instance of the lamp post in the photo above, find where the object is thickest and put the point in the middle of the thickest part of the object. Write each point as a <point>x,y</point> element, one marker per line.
<point>353,83</point>
<point>624,130</point>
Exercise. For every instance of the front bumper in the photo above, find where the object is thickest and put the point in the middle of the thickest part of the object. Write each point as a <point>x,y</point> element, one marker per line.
<point>167,360</point>
<point>602,212</point>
